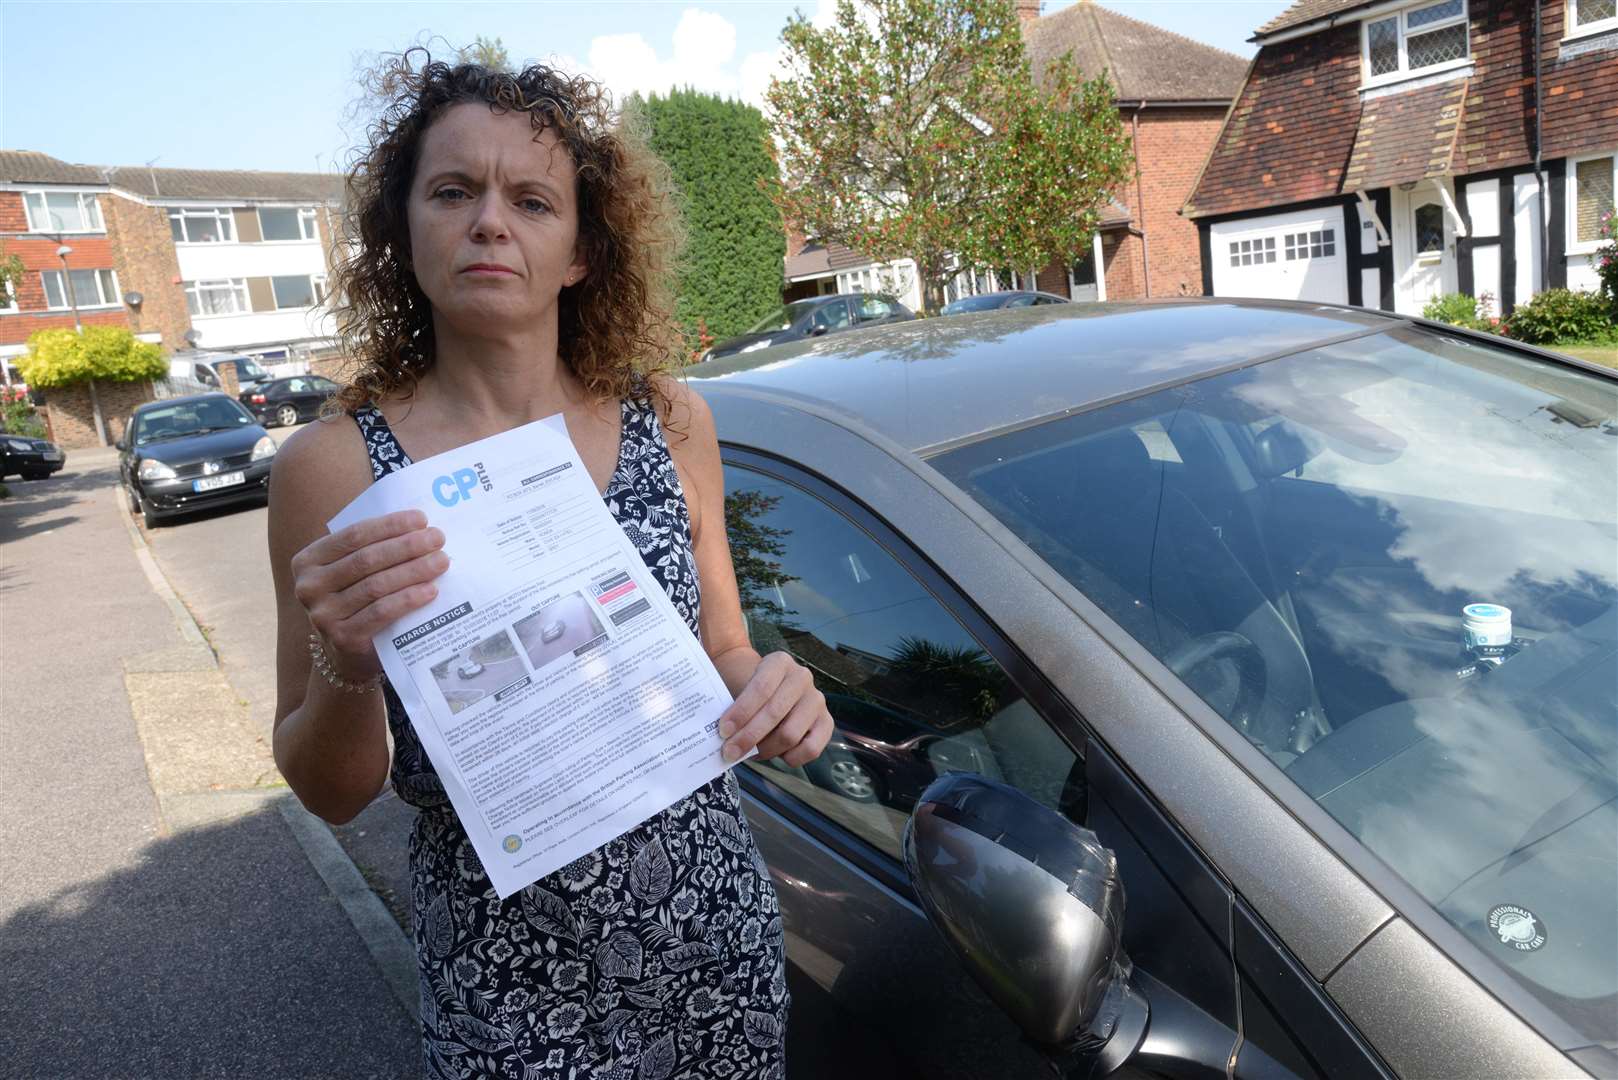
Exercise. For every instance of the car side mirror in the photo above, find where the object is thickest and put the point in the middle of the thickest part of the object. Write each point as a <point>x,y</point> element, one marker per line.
<point>816,331</point>
<point>1033,907</point>
<point>123,441</point>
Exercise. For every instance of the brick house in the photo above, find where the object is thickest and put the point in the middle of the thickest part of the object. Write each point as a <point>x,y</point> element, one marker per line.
<point>222,260</point>
<point>1172,94</point>
<point>1384,153</point>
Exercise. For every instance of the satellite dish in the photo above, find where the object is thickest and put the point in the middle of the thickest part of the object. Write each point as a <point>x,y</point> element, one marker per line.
<point>192,336</point>
<point>133,298</point>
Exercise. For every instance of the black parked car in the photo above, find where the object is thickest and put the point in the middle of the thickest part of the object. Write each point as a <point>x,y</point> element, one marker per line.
<point>1308,613</point>
<point>193,452</point>
<point>1008,299</point>
<point>288,401</point>
<point>33,459</point>
<point>814,317</point>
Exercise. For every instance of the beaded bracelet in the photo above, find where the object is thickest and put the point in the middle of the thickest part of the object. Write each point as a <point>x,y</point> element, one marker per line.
<point>322,664</point>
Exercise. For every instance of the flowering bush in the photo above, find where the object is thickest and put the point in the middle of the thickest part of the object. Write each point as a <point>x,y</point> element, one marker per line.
<point>1563,316</point>
<point>17,416</point>
<point>1458,309</point>
<point>1606,261</point>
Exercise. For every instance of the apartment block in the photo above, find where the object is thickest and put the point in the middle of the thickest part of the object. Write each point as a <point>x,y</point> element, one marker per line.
<point>222,260</point>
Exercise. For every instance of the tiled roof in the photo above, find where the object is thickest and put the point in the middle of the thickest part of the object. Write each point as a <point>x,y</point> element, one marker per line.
<point>1408,136</point>
<point>1307,11</point>
<point>226,184</point>
<point>1146,63</point>
<point>1289,136</point>
<point>810,262</point>
<point>32,167</point>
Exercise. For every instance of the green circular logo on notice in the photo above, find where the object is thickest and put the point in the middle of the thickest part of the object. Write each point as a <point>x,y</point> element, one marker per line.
<point>511,843</point>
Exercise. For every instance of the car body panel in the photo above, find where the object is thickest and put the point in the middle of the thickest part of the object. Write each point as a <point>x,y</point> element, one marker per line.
<point>1311,916</point>
<point>1459,1029</point>
<point>933,382</point>
<point>277,393</point>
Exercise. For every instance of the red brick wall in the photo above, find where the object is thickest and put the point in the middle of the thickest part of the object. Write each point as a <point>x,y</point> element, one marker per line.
<point>1498,120</point>
<point>144,256</point>
<point>1581,94</point>
<point>90,252</point>
<point>1171,146</point>
<point>71,418</point>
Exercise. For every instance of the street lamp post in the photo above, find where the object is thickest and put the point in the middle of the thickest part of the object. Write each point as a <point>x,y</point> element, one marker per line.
<point>62,253</point>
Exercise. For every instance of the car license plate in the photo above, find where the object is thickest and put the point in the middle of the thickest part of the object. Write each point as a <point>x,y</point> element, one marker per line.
<point>211,483</point>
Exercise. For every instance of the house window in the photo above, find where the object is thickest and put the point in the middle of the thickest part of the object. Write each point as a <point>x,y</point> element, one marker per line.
<point>1417,39</point>
<point>1591,16</point>
<point>226,296</point>
<point>1319,244</point>
<point>63,211</point>
<point>287,222</point>
<point>8,297</point>
<point>1252,252</point>
<point>91,288</point>
<point>205,225</point>
<point>1590,201</point>
<point>298,291</point>
<point>1429,229</point>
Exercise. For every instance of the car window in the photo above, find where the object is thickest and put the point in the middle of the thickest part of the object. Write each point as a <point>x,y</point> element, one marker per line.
<point>833,316</point>
<point>1020,301</point>
<point>913,694</point>
<point>873,307</point>
<point>298,386</point>
<point>1391,564</point>
<point>205,374</point>
<point>323,386</point>
<point>1043,300</point>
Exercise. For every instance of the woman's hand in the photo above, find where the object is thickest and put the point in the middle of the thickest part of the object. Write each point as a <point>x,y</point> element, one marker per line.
<point>357,580</point>
<point>780,712</point>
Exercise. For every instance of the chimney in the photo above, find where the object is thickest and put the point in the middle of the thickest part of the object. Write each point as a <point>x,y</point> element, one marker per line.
<point>1028,10</point>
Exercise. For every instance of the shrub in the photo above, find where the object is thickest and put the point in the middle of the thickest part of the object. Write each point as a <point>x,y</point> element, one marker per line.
<point>1562,315</point>
<point>1459,309</point>
<point>109,353</point>
<point>1606,261</point>
<point>17,415</point>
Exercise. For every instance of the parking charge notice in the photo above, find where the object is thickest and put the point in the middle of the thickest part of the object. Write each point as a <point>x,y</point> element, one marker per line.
<point>556,690</point>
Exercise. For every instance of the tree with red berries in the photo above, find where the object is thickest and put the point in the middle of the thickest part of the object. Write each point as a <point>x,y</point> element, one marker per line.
<point>915,129</point>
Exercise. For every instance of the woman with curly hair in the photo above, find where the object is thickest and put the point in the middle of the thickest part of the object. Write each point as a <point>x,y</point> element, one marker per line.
<point>511,250</point>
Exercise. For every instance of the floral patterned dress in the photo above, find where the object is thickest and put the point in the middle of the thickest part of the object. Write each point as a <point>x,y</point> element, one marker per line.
<point>656,956</point>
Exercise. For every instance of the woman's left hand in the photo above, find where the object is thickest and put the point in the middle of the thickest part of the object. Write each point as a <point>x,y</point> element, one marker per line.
<point>780,712</point>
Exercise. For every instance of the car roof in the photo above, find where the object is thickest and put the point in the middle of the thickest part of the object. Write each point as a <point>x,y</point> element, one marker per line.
<point>164,402</point>
<point>937,382</point>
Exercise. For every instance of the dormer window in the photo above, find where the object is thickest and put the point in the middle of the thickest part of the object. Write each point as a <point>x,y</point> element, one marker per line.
<point>1429,37</point>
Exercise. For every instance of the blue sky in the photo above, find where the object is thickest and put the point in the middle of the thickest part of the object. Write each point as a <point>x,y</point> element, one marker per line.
<point>263,85</point>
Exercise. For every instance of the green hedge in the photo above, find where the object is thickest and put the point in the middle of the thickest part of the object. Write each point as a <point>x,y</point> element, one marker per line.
<point>1555,315</point>
<point>718,153</point>
<point>106,353</point>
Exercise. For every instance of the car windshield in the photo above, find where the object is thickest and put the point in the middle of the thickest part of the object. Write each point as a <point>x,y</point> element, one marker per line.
<point>246,369</point>
<point>188,418</point>
<point>781,317</point>
<point>1391,564</point>
<point>975,303</point>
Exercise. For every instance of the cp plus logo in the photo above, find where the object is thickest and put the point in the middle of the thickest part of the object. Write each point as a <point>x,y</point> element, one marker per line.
<point>459,485</point>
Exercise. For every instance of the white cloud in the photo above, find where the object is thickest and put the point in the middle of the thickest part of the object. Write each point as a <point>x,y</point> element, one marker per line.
<point>702,54</point>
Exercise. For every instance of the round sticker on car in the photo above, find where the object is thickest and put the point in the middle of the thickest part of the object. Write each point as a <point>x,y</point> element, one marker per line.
<point>1517,928</point>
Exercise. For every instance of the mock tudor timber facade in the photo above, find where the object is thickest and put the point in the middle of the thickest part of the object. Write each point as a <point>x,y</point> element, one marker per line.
<point>1385,153</point>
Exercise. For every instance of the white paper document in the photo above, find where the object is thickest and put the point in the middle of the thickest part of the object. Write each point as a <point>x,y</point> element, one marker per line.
<point>554,686</point>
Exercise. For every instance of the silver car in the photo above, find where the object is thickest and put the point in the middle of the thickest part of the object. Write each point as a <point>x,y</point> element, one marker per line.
<point>1309,614</point>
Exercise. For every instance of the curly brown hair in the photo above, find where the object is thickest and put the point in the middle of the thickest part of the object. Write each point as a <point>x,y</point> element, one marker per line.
<point>616,327</point>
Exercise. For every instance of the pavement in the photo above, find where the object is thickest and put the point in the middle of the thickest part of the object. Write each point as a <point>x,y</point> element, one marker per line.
<point>168,909</point>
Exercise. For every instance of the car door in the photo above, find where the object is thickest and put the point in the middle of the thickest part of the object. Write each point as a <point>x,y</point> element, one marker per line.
<point>898,650</point>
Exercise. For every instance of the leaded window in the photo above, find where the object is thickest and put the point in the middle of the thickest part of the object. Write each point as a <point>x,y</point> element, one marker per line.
<point>1417,39</point>
<point>1592,198</point>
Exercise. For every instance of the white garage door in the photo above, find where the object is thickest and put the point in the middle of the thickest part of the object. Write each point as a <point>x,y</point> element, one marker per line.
<point>1297,256</point>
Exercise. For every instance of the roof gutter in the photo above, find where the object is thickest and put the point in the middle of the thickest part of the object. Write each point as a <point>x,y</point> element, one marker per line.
<point>1173,103</point>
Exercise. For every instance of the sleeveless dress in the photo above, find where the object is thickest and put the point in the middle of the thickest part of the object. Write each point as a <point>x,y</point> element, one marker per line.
<point>656,956</point>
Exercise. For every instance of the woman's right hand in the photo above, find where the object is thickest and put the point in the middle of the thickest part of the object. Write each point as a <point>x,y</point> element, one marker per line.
<point>356,581</point>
